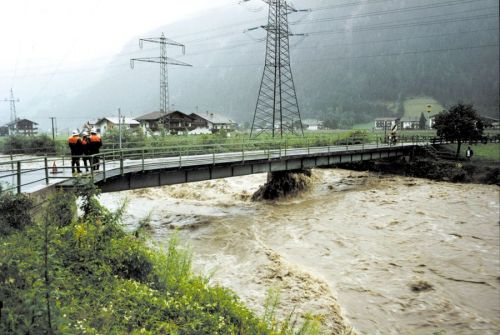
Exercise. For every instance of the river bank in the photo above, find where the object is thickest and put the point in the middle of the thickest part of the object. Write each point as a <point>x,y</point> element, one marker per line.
<point>383,254</point>
<point>439,164</point>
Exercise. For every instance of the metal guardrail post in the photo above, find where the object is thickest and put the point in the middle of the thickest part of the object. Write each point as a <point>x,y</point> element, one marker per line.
<point>308,149</point>
<point>180,158</point>
<point>104,167</point>
<point>46,170</point>
<point>213,155</point>
<point>286,147</point>
<point>11,162</point>
<point>18,177</point>
<point>243,153</point>
<point>142,160</point>
<point>92,173</point>
<point>121,163</point>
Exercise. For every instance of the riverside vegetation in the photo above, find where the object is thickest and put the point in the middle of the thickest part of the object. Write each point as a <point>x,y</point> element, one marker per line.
<point>61,273</point>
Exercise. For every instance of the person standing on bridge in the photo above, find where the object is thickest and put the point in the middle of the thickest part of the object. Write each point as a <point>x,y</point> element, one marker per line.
<point>86,151</point>
<point>95,143</point>
<point>76,147</point>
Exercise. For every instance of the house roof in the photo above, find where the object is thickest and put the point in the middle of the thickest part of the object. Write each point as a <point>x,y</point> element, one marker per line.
<point>489,119</point>
<point>215,118</point>
<point>17,121</point>
<point>150,116</point>
<point>115,120</point>
<point>392,118</point>
<point>154,116</point>
<point>410,119</point>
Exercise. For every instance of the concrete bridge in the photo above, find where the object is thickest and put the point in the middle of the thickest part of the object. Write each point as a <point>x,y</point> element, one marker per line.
<point>130,169</point>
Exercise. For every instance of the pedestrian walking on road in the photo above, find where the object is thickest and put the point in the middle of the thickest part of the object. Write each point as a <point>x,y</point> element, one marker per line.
<point>76,147</point>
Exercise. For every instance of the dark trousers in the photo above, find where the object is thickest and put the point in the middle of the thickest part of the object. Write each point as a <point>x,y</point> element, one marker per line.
<point>95,163</point>
<point>75,164</point>
<point>86,163</point>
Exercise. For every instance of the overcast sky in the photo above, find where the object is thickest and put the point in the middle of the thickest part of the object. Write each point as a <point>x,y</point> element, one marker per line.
<point>49,34</point>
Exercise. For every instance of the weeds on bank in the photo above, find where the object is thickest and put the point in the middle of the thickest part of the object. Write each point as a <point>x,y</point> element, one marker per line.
<point>65,274</point>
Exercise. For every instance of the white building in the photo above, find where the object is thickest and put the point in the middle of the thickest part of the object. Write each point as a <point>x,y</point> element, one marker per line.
<point>312,124</point>
<point>107,123</point>
<point>386,123</point>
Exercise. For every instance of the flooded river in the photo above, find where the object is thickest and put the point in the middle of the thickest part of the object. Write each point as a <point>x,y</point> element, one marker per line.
<point>380,254</point>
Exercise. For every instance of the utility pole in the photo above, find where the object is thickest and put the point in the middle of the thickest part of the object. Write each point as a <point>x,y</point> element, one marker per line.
<point>12,101</point>
<point>277,105</point>
<point>163,60</point>
<point>52,119</point>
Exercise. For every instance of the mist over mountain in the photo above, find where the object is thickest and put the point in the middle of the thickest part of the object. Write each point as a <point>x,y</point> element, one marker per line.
<point>357,58</point>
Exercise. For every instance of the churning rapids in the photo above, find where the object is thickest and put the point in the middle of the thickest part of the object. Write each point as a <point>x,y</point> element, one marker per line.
<point>380,254</point>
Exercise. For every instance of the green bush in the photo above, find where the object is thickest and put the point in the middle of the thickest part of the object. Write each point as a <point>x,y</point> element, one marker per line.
<point>32,145</point>
<point>16,212</point>
<point>68,275</point>
<point>62,209</point>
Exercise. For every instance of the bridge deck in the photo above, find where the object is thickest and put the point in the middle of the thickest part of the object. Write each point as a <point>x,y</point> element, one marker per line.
<point>119,168</point>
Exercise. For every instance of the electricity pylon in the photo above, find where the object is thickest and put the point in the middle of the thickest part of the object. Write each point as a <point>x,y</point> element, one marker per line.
<point>12,101</point>
<point>277,110</point>
<point>163,60</point>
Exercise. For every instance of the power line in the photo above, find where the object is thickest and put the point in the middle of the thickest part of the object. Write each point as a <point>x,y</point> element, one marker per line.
<point>277,109</point>
<point>206,39</point>
<point>248,43</point>
<point>373,28</point>
<point>163,60</point>
<point>417,52</point>
<point>399,11</point>
<point>395,54</point>
<point>243,42</point>
<point>12,101</point>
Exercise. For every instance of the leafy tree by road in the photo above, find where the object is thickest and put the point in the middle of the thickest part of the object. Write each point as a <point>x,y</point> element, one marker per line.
<point>460,123</point>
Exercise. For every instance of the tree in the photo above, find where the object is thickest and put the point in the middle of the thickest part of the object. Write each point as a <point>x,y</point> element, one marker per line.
<point>460,123</point>
<point>330,123</point>
<point>422,122</point>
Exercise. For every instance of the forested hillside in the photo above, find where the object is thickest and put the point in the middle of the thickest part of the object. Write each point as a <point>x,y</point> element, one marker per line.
<point>357,59</point>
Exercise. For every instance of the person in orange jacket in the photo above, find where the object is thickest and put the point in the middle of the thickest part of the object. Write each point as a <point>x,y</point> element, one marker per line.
<point>86,151</point>
<point>95,143</point>
<point>76,147</point>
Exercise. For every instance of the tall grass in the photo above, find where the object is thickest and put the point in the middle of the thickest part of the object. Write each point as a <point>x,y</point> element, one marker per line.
<point>65,274</point>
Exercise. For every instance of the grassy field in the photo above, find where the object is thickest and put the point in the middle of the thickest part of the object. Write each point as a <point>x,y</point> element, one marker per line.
<point>365,126</point>
<point>415,106</point>
<point>490,151</point>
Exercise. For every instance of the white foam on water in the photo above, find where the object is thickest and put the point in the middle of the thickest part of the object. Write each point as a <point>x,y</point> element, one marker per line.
<point>350,250</point>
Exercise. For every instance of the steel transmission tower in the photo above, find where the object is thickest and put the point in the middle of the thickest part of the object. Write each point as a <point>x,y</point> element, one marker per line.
<point>12,101</point>
<point>163,60</point>
<point>277,109</point>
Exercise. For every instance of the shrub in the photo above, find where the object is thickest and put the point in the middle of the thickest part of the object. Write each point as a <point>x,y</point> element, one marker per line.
<point>129,259</point>
<point>70,275</point>
<point>61,209</point>
<point>16,212</point>
<point>29,145</point>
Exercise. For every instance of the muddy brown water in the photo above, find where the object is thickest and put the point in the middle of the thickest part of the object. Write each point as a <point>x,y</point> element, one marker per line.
<point>380,254</point>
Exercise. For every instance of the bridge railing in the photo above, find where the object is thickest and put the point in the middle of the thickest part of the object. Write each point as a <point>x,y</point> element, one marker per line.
<point>18,172</point>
